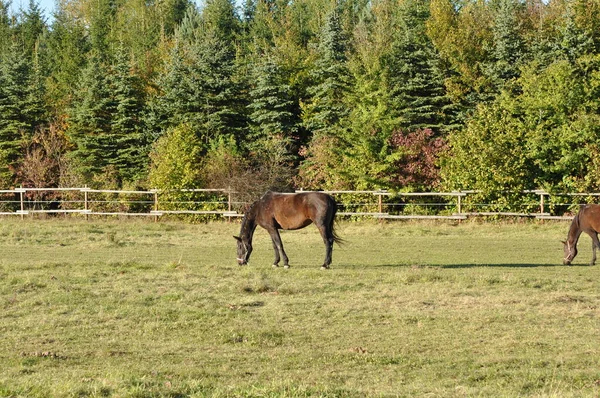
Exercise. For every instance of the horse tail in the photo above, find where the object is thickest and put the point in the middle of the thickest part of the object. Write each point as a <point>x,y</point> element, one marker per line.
<point>333,206</point>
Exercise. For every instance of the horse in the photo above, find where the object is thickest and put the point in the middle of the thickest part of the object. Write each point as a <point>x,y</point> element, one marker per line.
<point>587,220</point>
<point>288,211</point>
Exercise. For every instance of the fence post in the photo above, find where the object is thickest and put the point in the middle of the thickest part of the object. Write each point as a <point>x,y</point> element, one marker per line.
<point>459,203</point>
<point>22,194</point>
<point>155,204</point>
<point>85,202</point>
<point>541,203</point>
<point>229,203</point>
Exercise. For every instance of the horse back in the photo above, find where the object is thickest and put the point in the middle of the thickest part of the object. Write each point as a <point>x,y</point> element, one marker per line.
<point>295,211</point>
<point>589,218</point>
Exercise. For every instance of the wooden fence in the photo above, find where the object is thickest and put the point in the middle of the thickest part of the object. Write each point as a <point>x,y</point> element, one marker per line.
<point>221,203</point>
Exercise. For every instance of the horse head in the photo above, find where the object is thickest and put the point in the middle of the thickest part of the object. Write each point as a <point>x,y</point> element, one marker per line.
<point>244,249</point>
<point>570,252</point>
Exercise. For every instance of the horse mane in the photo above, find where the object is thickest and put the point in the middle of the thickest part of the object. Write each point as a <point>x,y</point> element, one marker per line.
<point>574,230</point>
<point>248,223</point>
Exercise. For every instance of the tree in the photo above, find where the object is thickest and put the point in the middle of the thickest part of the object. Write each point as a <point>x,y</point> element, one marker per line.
<point>65,56</point>
<point>325,113</point>
<point>91,119</point>
<point>508,48</point>
<point>414,83</point>
<point>31,27</point>
<point>271,118</point>
<point>21,107</point>
<point>458,34</point>
<point>175,158</point>
<point>126,124</point>
<point>5,26</point>
<point>488,156</point>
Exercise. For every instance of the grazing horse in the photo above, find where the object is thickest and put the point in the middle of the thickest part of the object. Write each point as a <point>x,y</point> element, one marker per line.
<point>275,211</point>
<point>588,221</point>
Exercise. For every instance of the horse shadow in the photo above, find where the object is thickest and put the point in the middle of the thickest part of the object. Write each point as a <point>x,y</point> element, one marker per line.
<point>491,265</point>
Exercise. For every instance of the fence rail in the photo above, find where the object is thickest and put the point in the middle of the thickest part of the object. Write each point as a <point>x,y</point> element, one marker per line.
<point>220,203</point>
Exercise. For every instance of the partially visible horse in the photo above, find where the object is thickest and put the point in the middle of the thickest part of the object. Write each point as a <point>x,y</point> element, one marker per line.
<point>587,220</point>
<point>275,211</point>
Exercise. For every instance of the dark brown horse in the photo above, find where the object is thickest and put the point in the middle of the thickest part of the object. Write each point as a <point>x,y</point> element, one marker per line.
<point>275,211</point>
<point>588,221</point>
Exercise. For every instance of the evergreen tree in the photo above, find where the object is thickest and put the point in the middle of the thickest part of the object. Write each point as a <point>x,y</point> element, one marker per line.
<point>21,107</point>
<point>91,120</point>
<point>66,49</point>
<point>172,104</point>
<point>271,118</point>
<point>31,27</point>
<point>573,41</point>
<point>126,123</point>
<point>198,86</point>
<point>327,108</point>
<point>5,26</point>
<point>102,15</point>
<point>325,114</point>
<point>508,49</point>
<point>414,83</point>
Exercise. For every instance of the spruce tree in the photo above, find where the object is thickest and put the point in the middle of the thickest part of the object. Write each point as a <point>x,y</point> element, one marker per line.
<point>66,48</point>
<point>324,115</point>
<point>271,118</point>
<point>415,85</point>
<point>126,123</point>
<point>91,120</point>
<point>21,107</point>
<point>327,108</point>
<point>31,27</point>
<point>508,48</point>
<point>573,41</point>
<point>5,26</point>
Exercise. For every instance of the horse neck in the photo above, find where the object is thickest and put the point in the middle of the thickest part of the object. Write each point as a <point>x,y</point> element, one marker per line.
<point>574,231</point>
<point>248,225</point>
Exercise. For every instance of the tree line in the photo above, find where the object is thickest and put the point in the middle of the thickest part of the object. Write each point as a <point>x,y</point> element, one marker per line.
<point>489,95</point>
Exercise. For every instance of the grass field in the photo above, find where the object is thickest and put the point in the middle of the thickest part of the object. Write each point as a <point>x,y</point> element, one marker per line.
<point>142,309</point>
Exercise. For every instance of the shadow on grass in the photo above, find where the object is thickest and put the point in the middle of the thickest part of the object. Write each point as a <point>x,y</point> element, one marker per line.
<point>523,265</point>
<point>457,266</point>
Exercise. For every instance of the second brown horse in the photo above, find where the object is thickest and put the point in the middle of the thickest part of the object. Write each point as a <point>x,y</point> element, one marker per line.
<point>587,220</point>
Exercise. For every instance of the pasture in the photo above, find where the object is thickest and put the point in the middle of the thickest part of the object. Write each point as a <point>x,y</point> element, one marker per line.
<point>427,309</point>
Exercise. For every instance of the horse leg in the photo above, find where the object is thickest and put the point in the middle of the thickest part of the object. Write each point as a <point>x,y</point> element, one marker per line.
<point>595,244</point>
<point>328,240</point>
<point>278,248</point>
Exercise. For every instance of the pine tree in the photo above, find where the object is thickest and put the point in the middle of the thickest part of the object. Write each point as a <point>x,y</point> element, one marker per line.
<point>197,86</point>
<point>126,123</point>
<point>21,107</point>
<point>5,26</point>
<point>271,117</point>
<point>573,41</point>
<point>66,49</point>
<point>414,82</point>
<point>31,27</point>
<point>327,108</point>
<point>91,119</point>
<point>508,50</point>
<point>326,112</point>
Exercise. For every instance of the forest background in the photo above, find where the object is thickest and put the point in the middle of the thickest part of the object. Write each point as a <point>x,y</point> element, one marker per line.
<point>496,96</point>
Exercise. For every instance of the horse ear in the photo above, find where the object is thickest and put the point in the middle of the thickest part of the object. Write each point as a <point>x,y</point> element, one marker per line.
<point>563,242</point>
<point>237,238</point>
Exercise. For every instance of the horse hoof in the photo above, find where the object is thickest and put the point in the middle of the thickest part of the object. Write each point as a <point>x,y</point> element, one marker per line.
<point>324,268</point>
<point>275,265</point>
<point>286,266</point>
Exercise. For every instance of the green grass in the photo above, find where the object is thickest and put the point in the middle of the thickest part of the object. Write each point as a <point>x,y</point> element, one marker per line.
<point>142,309</point>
